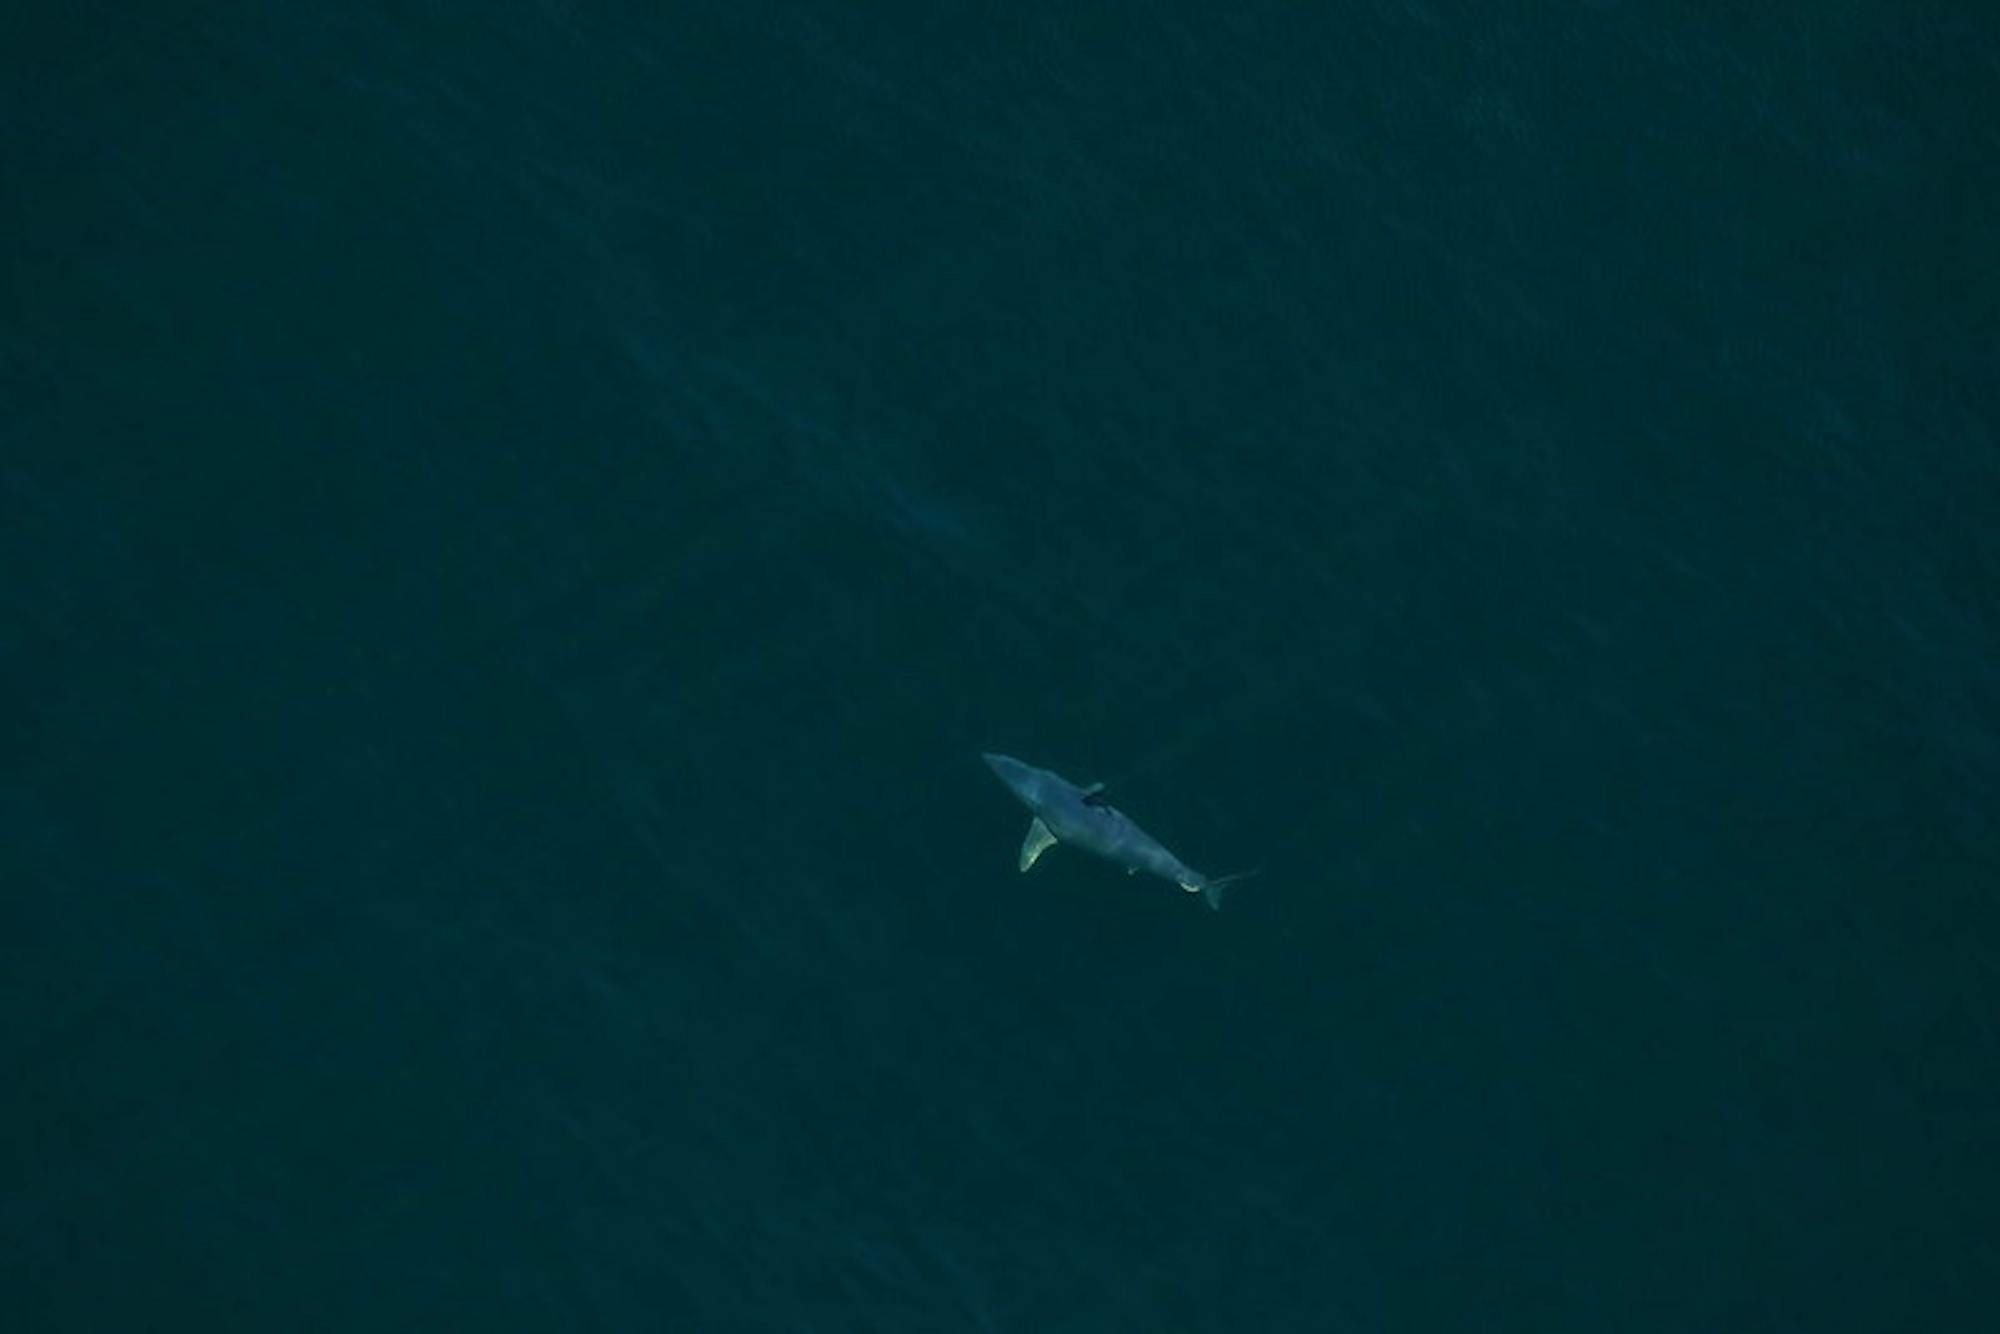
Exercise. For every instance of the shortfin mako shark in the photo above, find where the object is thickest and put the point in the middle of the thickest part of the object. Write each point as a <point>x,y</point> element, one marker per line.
<point>1081,818</point>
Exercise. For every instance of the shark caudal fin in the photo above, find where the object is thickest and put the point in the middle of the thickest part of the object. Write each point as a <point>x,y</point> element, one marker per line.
<point>1212,889</point>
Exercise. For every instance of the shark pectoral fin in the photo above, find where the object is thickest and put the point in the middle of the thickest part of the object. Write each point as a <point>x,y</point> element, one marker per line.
<point>1036,843</point>
<point>1093,789</point>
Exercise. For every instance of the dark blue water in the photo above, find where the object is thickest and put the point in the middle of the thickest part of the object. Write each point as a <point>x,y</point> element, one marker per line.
<point>517,520</point>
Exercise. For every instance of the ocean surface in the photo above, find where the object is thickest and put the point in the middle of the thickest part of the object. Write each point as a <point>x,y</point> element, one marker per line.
<point>518,519</point>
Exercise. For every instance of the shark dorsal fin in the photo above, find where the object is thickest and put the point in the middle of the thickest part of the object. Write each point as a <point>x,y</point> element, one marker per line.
<point>1037,842</point>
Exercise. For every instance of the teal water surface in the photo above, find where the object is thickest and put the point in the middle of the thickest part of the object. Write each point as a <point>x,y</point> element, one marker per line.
<point>518,521</point>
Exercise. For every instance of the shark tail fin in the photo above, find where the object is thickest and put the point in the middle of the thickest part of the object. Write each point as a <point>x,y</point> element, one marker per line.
<point>1212,889</point>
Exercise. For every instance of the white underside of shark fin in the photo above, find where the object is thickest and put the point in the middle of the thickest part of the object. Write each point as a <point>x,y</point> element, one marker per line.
<point>1036,843</point>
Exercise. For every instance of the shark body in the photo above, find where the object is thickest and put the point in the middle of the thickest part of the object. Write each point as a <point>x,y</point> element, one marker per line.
<point>1081,818</point>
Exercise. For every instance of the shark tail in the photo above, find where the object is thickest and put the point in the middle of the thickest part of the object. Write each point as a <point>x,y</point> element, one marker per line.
<point>1212,889</point>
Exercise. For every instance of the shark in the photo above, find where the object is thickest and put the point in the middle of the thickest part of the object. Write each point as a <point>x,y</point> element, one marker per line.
<point>1082,818</point>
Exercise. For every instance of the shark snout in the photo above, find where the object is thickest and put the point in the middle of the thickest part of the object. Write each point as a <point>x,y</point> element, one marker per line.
<point>1010,771</point>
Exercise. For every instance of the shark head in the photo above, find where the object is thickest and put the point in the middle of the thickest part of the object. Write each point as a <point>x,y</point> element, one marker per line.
<point>1023,780</point>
